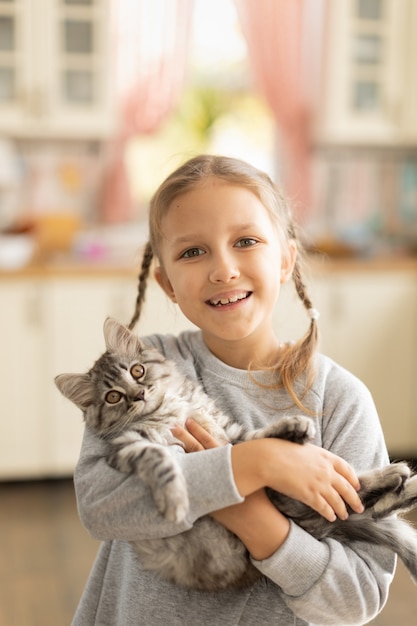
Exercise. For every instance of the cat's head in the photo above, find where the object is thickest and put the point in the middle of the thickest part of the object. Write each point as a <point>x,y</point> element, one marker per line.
<point>124,385</point>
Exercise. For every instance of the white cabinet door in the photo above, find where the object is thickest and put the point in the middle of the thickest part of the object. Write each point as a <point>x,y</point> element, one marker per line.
<point>54,68</point>
<point>17,89</point>
<point>51,326</point>
<point>23,440</point>
<point>368,324</point>
<point>370,327</point>
<point>368,69</point>
<point>77,309</point>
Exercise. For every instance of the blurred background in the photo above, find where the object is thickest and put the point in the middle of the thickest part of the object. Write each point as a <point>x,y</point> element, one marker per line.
<point>99,101</point>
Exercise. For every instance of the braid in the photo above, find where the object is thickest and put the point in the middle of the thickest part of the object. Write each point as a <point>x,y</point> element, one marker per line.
<point>300,286</point>
<point>298,358</point>
<point>143,277</point>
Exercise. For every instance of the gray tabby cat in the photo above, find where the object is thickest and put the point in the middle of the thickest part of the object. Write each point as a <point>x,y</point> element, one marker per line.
<point>133,396</point>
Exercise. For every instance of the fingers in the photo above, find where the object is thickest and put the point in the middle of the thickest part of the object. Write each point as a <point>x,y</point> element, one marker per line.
<point>194,438</point>
<point>347,485</point>
<point>340,495</point>
<point>347,471</point>
<point>331,501</point>
<point>201,435</point>
<point>323,481</point>
<point>189,442</point>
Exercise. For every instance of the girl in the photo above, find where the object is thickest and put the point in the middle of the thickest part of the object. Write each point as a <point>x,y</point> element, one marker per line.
<point>224,243</point>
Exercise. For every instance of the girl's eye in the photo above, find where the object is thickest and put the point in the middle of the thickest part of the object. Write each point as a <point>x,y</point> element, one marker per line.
<point>137,371</point>
<point>246,242</point>
<point>191,253</point>
<point>113,397</point>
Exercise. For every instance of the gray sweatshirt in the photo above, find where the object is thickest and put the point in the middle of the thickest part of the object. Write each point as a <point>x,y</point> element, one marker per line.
<point>305,581</point>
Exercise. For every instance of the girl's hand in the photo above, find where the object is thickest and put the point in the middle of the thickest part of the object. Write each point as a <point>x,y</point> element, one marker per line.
<point>308,473</point>
<point>259,525</point>
<point>315,476</point>
<point>194,437</point>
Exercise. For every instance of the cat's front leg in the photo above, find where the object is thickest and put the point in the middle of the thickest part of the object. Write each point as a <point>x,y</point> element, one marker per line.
<point>295,428</point>
<point>153,463</point>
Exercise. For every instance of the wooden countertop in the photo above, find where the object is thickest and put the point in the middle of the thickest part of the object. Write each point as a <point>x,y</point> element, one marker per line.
<point>72,268</point>
<point>320,264</point>
<point>316,264</point>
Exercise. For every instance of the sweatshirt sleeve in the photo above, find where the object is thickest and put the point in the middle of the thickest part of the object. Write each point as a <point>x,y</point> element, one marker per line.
<point>327,582</point>
<point>113,505</point>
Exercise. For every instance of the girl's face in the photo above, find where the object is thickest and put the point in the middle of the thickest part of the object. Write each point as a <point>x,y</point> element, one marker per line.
<point>222,262</point>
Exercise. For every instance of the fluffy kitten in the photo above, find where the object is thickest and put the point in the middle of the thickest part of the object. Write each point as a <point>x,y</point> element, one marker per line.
<point>133,396</point>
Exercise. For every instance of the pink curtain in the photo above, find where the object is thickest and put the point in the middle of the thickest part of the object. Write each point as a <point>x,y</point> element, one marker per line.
<point>151,40</point>
<point>283,38</point>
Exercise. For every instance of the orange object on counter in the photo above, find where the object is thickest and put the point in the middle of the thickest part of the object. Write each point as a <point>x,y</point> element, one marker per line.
<point>55,231</point>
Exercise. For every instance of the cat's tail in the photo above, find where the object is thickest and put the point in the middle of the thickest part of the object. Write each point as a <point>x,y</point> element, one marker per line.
<point>392,532</point>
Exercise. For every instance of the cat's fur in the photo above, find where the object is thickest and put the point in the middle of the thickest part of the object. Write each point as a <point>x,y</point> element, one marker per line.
<point>149,397</point>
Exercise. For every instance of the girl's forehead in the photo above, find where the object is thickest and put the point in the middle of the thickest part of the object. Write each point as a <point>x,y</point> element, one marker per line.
<point>220,209</point>
<point>216,197</point>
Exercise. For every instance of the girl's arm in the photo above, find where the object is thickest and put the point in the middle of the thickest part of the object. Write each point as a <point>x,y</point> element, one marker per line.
<point>323,481</point>
<point>113,505</point>
<point>325,581</point>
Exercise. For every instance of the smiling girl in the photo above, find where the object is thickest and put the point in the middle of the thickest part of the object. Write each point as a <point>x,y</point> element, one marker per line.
<point>224,242</point>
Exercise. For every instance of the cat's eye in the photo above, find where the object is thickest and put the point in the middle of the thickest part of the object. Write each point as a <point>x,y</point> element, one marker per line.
<point>113,397</point>
<point>137,371</point>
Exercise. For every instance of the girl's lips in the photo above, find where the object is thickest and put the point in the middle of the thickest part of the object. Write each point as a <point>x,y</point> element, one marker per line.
<point>227,300</point>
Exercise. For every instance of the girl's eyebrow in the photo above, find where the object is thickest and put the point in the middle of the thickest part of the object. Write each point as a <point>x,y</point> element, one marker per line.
<point>194,236</point>
<point>185,239</point>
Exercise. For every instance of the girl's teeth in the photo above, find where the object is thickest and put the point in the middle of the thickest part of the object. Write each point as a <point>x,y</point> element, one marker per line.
<point>231,300</point>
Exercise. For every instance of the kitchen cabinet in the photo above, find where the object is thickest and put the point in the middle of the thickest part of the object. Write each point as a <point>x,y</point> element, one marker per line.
<point>23,389</point>
<point>368,62</point>
<point>77,309</point>
<point>54,68</point>
<point>52,323</point>
<point>368,323</point>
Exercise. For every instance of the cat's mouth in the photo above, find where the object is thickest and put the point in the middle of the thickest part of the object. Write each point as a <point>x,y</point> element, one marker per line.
<point>218,302</point>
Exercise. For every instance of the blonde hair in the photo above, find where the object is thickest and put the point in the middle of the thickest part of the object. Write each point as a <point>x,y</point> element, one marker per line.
<point>295,359</point>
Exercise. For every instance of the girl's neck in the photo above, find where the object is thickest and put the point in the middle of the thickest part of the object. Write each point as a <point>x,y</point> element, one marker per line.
<point>246,354</point>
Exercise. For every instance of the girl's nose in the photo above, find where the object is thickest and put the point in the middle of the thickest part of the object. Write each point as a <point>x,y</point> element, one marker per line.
<point>223,269</point>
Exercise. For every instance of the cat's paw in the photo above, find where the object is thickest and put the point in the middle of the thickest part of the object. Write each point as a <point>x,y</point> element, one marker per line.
<point>172,500</point>
<point>382,490</point>
<point>390,478</point>
<point>297,428</point>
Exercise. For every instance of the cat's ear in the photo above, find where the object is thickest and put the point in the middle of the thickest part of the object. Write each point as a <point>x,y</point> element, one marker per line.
<point>77,388</point>
<point>120,339</point>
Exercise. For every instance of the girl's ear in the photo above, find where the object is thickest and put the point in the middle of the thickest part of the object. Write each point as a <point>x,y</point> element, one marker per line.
<point>163,281</point>
<point>288,261</point>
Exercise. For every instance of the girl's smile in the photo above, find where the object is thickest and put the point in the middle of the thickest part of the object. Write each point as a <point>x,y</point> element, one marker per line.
<point>228,300</point>
<point>222,262</point>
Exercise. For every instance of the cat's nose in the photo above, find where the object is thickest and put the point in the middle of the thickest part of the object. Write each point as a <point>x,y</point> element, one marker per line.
<point>140,395</point>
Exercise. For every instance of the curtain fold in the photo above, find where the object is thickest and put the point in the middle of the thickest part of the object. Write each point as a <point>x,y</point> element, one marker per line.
<point>150,39</point>
<point>283,39</point>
